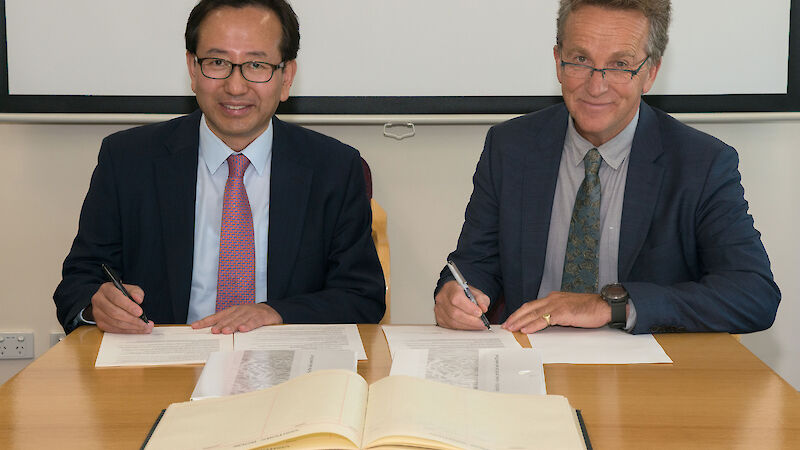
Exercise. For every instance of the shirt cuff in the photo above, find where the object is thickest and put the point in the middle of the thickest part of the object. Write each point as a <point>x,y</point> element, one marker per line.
<point>82,321</point>
<point>631,322</point>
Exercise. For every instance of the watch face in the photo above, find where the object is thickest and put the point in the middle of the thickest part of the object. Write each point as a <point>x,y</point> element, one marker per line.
<point>614,292</point>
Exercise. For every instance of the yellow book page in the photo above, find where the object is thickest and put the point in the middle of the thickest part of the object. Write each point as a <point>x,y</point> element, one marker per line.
<point>322,441</point>
<point>406,411</point>
<point>331,401</point>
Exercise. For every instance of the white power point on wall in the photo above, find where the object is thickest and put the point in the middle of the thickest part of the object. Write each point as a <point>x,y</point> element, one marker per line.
<point>56,337</point>
<point>16,345</point>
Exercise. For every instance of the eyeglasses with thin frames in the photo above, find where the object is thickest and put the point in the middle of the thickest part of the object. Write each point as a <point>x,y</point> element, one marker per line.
<point>618,76</point>
<point>252,71</point>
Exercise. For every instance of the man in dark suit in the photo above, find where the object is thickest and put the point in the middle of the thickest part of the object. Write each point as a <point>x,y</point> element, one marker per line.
<point>226,218</point>
<point>604,211</point>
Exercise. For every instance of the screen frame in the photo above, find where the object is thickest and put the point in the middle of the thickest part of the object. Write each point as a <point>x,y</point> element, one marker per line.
<point>388,105</point>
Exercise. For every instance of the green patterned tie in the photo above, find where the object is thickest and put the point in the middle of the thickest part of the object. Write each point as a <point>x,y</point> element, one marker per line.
<point>581,261</point>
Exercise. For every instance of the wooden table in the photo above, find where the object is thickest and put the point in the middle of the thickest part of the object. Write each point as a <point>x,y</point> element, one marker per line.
<point>716,395</point>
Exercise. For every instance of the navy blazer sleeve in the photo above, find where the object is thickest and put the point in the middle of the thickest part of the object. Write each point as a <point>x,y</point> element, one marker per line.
<point>715,275</point>
<point>502,242</point>
<point>98,242</point>
<point>477,253</point>
<point>128,222</point>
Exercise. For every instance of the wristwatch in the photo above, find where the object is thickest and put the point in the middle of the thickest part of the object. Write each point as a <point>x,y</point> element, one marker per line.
<point>617,298</point>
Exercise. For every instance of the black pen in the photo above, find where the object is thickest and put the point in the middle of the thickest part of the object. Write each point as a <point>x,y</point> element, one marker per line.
<point>118,285</point>
<point>463,283</point>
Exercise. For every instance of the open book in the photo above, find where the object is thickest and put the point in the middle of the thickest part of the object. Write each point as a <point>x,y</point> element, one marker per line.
<point>336,409</point>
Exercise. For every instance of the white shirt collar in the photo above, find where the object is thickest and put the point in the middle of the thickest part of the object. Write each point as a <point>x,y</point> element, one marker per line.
<point>613,152</point>
<point>214,152</point>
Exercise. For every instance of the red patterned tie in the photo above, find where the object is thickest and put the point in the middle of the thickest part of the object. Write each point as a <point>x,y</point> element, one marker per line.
<point>236,283</point>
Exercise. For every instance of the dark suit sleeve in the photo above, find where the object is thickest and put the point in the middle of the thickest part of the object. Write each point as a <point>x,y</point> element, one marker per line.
<point>735,291</point>
<point>98,241</point>
<point>353,289</point>
<point>477,254</point>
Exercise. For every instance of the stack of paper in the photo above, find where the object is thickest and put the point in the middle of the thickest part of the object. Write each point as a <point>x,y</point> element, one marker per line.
<point>596,346</point>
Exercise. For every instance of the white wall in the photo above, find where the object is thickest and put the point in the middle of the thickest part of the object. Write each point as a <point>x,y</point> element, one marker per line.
<point>422,182</point>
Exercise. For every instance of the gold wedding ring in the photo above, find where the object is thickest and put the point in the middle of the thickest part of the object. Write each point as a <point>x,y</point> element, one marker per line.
<point>546,318</point>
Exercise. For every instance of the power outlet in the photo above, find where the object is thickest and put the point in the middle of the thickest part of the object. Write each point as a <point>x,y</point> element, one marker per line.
<point>56,337</point>
<point>16,345</point>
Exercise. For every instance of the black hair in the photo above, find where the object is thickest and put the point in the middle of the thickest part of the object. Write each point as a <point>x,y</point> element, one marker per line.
<point>290,39</point>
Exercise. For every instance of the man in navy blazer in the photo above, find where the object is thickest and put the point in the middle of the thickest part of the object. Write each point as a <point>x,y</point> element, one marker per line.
<point>677,248</point>
<point>148,216</point>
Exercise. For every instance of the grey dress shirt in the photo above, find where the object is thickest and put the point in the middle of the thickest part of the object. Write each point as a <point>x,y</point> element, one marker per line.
<point>613,174</point>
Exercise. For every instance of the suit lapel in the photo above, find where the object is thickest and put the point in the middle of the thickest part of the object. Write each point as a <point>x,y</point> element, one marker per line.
<point>641,190</point>
<point>290,188</point>
<point>176,181</point>
<point>539,185</point>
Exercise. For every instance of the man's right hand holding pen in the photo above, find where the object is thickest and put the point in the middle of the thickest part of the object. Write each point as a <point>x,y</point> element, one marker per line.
<point>116,313</point>
<point>454,310</point>
<point>457,310</point>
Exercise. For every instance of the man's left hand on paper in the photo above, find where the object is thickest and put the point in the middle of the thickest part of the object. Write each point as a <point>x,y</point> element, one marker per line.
<point>240,318</point>
<point>565,308</point>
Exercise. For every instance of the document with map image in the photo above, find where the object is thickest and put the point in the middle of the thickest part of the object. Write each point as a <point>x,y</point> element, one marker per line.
<point>227,373</point>
<point>508,370</point>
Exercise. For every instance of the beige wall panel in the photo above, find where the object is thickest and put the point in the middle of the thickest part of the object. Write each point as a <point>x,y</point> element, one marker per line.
<point>424,184</point>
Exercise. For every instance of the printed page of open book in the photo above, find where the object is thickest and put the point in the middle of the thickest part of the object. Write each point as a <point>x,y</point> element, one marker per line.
<point>314,404</point>
<point>401,407</point>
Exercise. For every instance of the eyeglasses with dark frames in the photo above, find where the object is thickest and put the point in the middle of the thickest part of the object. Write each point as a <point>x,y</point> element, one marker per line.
<point>618,76</point>
<point>253,71</point>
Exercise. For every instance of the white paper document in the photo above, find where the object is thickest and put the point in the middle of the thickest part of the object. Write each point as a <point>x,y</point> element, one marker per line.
<point>432,337</point>
<point>507,370</point>
<point>165,345</point>
<point>183,345</point>
<point>303,337</point>
<point>227,373</point>
<point>596,346</point>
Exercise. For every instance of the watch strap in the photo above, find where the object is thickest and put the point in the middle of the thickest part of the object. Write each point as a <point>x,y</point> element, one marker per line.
<point>618,308</point>
<point>617,298</point>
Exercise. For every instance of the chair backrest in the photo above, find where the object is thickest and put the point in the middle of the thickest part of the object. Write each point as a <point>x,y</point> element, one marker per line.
<point>381,240</point>
<point>367,177</point>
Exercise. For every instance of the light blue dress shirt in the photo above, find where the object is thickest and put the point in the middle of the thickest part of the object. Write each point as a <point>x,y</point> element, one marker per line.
<point>613,175</point>
<point>212,174</point>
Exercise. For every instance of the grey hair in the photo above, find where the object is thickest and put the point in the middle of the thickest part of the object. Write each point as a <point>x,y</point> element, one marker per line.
<point>657,12</point>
